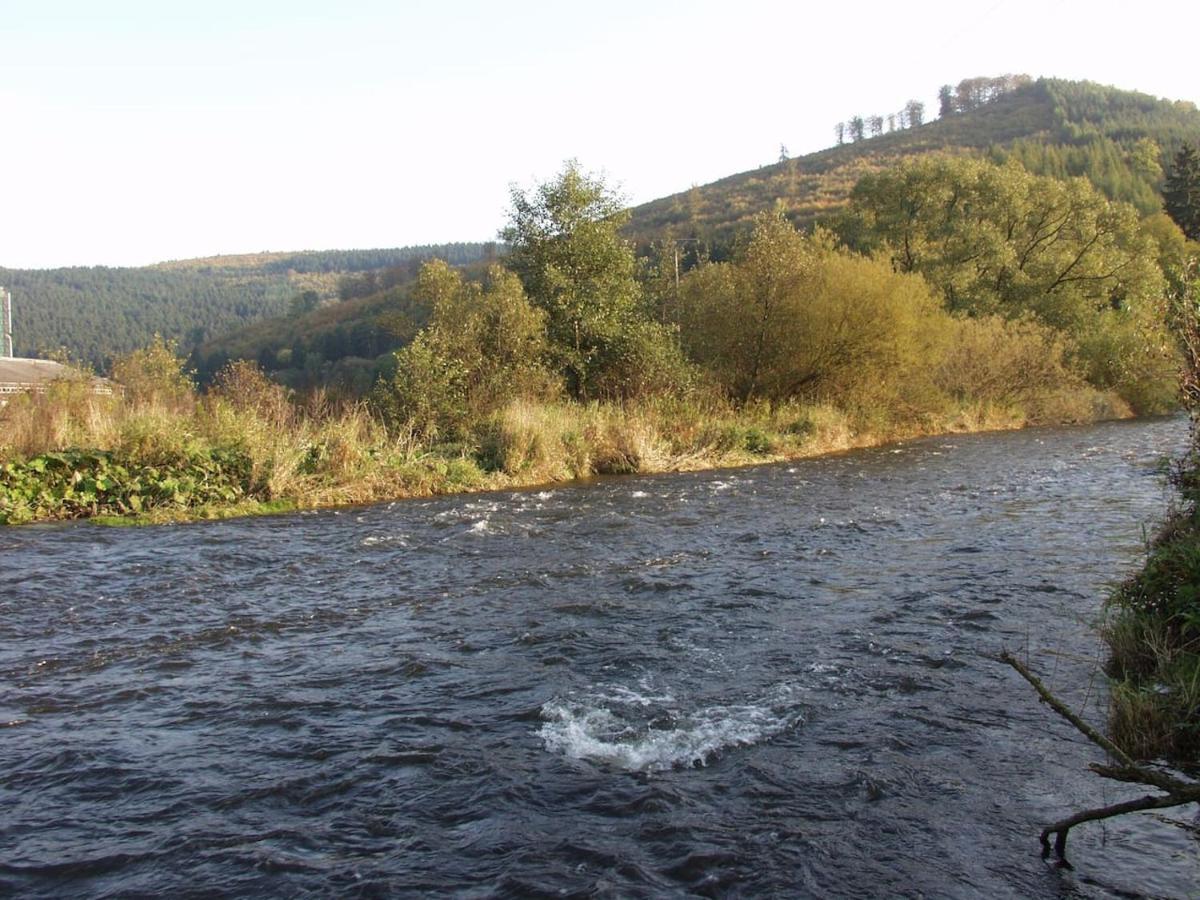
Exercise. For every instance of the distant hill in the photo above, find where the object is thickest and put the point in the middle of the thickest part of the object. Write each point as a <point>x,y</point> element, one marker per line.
<point>1054,127</point>
<point>98,312</point>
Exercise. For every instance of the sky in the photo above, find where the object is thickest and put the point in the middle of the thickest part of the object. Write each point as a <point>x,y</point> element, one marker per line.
<point>137,132</point>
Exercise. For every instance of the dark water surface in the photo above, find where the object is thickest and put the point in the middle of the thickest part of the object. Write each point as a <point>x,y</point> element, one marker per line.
<point>772,681</point>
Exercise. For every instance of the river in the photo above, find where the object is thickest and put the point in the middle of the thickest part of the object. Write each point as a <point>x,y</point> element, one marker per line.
<point>766,681</point>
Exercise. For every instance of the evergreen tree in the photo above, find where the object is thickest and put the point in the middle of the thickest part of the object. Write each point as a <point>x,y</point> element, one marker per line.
<point>945,101</point>
<point>1181,192</point>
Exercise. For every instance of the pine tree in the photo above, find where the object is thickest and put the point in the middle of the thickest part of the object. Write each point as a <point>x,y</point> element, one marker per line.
<point>945,101</point>
<point>1181,192</point>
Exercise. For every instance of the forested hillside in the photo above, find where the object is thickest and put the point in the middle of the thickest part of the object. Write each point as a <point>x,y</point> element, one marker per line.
<point>98,312</point>
<point>1117,139</point>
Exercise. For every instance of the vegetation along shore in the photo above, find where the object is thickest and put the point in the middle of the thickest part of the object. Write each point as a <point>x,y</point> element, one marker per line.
<point>574,357</point>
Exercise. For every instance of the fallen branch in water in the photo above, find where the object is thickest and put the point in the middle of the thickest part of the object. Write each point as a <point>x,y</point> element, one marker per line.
<point>1177,791</point>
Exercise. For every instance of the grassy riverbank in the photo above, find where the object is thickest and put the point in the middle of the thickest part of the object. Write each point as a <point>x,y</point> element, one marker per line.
<point>577,358</point>
<point>1154,633</point>
<point>1153,626</point>
<point>163,452</point>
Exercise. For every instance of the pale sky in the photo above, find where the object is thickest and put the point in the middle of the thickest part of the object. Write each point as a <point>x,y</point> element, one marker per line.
<point>136,132</point>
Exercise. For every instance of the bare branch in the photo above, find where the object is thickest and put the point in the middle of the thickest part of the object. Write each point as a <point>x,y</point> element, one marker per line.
<point>1061,708</point>
<point>1178,792</point>
<point>1060,829</point>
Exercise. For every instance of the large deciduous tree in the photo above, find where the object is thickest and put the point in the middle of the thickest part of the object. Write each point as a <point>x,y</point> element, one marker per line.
<point>566,247</point>
<point>794,316</point>
<point>995,239</point>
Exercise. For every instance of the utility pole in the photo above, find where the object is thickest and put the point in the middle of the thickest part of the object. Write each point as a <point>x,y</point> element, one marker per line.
<point>675,244</point>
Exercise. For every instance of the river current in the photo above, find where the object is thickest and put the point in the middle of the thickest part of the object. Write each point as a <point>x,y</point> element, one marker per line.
<point>773,681</point>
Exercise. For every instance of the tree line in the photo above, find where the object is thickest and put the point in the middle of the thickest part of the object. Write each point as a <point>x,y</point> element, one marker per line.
<point>947,281</point>
<point>970,94</point>
<point>858,128</point>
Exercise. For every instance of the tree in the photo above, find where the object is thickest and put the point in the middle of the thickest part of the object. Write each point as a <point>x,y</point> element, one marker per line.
<point>995,239</point>
<point>839,131</point>
<point>566,247</point>
<point>914,112</point>
<point>1145,158</point>
<point>945,101</point>
<point>1181,192</point>
<point>793,315</point>
<point>156,374</point>
<point>783,153</point>
<point>304,302</point>
<point>857,128</point>
<point>875,124</point>
<point>484,346</point>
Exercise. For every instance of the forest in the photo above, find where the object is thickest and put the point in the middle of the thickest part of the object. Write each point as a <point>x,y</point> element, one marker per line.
<point>94,314</point>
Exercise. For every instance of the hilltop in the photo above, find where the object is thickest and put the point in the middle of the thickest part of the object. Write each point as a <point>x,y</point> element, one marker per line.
<point>1118,139</point>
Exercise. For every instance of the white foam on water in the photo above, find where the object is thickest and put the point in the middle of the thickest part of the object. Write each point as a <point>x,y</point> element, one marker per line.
<point>483,526</point>
<point>638,495</point>
<point>467,512</point>
<point>374,540</point>
<point>616,727</point>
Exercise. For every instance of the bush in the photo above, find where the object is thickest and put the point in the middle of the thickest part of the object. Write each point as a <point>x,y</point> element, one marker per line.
<point>1002,361</point>
<point>643,360</point>
<point>796,317</point>
<point>484,347</point>
<point>427,394</point>
<point>246,387</point>
<point>1134,356</point>
<point>155,375</point>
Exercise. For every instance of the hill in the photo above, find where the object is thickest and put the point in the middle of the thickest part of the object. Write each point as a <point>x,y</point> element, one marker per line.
<point>98,312</point>
<point>1118,139</point>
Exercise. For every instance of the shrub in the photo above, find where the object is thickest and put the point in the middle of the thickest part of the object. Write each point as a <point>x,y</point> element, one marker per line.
<point>155,375</point>
<point>1002,361</point>
<point>427,395</point>
<point>794,316</point>
<point>246,387</point>
<point>643,360</point>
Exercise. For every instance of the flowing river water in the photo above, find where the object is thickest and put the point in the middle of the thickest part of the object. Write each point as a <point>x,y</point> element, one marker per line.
<point>768,681</point>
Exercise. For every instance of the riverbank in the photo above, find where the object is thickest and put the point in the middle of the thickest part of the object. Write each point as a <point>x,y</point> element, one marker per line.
<point>173,459</point>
